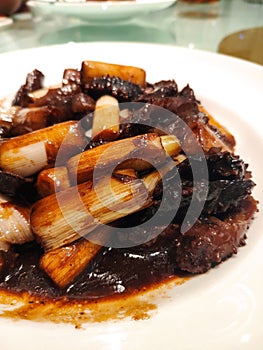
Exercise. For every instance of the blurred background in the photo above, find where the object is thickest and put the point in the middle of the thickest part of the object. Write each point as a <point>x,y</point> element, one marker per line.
<point>234,27</point>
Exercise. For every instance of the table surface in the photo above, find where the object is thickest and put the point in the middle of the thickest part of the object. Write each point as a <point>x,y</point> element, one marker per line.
<point>200,26</point>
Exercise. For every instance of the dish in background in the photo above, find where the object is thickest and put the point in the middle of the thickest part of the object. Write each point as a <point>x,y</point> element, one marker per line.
<point>8,7</point>
<point>98,11</point>
<point>5,21</point>
<point>246,44</point>
<point>220,309</point>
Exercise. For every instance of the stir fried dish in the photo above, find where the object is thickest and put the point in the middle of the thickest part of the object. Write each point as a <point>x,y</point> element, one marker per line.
<point>110,184</point>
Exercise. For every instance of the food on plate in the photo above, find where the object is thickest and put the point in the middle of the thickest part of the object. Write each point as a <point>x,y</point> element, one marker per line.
<point>88,165</point>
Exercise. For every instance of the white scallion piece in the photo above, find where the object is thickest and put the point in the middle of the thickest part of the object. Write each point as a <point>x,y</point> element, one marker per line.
<point>25,160</point>
<point>14,223</point>
<point>106,119</point>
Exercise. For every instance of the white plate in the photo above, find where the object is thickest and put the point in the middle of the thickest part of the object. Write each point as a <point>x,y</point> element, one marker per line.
<point>99,11</point>
<point>222,309</point>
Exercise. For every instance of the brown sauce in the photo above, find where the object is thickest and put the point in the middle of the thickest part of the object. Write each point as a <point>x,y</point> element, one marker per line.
<point>113,286</point>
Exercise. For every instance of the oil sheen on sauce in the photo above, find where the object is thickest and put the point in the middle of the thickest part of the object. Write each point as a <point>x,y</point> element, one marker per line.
<point>118,283</point>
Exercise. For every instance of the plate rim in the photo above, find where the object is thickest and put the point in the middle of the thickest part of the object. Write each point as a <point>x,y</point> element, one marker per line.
<point>100,11</point>
<point>202,53</point>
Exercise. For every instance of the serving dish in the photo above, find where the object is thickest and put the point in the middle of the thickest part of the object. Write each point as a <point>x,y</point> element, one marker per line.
<point>5,21</point>
<point>98,11</point>
<point>220,309</point>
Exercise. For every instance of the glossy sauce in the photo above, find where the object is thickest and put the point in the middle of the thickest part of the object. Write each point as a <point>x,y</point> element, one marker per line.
<point>111,286</point>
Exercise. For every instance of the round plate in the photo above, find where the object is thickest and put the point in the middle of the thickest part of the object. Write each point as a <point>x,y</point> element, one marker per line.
<point>99,11</point>
<point>222,309</point>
